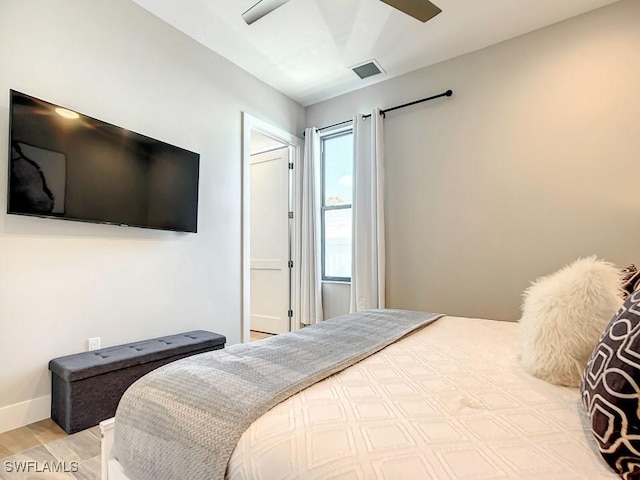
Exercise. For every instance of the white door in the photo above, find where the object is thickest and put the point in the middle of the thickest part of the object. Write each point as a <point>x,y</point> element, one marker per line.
<point>270,241</point>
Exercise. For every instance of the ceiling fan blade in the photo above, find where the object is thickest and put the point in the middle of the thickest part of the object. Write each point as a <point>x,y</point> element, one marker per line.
<point>422,10</point>
<point>260,9</point>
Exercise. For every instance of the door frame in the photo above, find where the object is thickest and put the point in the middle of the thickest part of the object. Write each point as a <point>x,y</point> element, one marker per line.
<point>295,144</point>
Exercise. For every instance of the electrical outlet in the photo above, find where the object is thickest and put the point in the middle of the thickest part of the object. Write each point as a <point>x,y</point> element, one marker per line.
<point>94,343</point>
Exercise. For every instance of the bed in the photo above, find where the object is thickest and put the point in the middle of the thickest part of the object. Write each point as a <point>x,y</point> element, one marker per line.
<point>448,401</point>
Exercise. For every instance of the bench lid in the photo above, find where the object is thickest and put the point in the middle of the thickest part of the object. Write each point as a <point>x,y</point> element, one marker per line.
<point>89,364</point>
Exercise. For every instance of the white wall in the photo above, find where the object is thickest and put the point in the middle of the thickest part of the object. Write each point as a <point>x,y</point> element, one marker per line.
<point>533,162</point>
<point>63,282</point>
<point>336,298</point>
<point>262,143</point>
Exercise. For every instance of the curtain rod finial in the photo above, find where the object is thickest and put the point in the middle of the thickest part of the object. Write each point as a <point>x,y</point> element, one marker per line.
<point>448,93</point>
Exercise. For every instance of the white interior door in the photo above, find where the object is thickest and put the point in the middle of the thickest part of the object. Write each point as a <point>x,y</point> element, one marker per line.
<point>270,241</point>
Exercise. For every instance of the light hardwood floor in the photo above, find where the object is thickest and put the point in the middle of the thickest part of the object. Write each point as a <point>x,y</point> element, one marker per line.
<point>259,335</point>
<point>34,435</point>
<point>46,444</point>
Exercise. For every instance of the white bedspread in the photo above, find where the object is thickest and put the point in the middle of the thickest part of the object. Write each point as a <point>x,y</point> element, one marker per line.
<point>448,402</point>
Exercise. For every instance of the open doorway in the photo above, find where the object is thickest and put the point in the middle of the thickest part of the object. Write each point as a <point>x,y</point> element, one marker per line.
<point>269,229</point>
<point>269,245</point>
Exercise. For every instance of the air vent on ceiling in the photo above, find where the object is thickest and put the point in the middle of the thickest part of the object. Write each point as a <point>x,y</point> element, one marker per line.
<point>368,69</point>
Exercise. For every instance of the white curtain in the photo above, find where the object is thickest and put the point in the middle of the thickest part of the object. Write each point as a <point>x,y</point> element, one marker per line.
<point>368,250</point>
<point>310,282</point>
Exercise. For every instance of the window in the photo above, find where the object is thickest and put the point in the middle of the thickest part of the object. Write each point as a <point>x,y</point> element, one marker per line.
<point>337,194</point>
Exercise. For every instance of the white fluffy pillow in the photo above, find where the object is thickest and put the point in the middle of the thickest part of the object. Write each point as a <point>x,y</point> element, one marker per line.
<point>563,317</point>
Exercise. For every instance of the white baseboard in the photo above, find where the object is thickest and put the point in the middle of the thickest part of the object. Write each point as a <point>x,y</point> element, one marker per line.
<point>23,413</point>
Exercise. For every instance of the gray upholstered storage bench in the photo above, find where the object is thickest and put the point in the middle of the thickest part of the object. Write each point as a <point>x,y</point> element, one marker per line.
<point>86,387</point>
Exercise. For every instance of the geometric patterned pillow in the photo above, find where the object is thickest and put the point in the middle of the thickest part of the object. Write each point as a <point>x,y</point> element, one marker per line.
<point>610,390</point>
<point>630,280</point>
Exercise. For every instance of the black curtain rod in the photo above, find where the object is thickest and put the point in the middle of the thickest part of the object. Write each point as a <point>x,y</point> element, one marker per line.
<point>448,93</point>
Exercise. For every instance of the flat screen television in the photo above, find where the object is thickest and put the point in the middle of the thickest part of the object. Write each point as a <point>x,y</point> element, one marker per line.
<point>63,164</point>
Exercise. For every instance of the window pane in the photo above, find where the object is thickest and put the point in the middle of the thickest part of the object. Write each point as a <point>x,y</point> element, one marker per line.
<point>337,243</point>
<point>338,170</point>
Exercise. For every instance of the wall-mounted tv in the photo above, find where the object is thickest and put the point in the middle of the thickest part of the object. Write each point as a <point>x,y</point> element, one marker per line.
<point>63,164</point>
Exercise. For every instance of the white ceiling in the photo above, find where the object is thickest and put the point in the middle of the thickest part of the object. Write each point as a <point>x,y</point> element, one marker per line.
<point>305,48</point>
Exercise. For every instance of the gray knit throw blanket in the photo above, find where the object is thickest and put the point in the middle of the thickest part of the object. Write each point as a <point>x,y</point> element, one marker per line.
<point>183,420</point>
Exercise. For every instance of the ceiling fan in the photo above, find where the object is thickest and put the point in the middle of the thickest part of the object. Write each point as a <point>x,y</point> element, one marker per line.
<point>422,10</point>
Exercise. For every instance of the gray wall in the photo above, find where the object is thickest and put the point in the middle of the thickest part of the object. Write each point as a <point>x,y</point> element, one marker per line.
<point>63,282</point>
<point>533,162</point>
